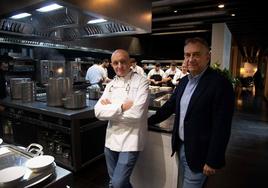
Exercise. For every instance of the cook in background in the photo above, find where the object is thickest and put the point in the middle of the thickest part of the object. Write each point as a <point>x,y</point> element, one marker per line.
<point>203,104</point>
<point>136,68</point>
<point>179,75</point>
<point>97,74</point>
<point>156,75</point>
<point>169,74</point>
<point>145,69</point>
<point>124,104</point>
<point>4,59</point>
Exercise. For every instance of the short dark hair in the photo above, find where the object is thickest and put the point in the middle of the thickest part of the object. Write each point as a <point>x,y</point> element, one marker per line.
<point>197,40</point>
<point>105,61</point>
<point>132,60</point>
<point>157,64</point>
<point>172,64</point>
<point>5,58</point>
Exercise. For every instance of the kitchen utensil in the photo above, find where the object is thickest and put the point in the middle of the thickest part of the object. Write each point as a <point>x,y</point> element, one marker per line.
<point>75,100</point>
<point>11,155</point>
<point>27,91</point>
<point>11,176</point>
<point>57,88</point>
<point>40,163</point>
<point>15,87</point>
<point>94,92</point>
<point>164,88</point>
<point>35,149</point>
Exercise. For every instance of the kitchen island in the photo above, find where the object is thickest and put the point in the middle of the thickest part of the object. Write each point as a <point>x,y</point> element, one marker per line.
<point>155,166</point>
<point>74,137</point>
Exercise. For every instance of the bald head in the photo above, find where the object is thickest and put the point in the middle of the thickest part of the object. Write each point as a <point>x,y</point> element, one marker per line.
<point>121,62</point>
<point>120,52</point>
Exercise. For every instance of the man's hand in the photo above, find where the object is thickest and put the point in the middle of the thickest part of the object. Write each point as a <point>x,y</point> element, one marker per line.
<point>208,171</point>
<point>127,105</point>
<point>105,101</point>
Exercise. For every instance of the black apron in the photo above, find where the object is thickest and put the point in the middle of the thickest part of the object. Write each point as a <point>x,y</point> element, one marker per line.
<point>169,83</point>
<point>156,77</point>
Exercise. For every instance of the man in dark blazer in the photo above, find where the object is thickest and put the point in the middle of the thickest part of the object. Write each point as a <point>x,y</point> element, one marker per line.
<point>203,103</point>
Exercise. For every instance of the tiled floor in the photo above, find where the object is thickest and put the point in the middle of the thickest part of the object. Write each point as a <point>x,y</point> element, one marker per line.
<point>247,153</point>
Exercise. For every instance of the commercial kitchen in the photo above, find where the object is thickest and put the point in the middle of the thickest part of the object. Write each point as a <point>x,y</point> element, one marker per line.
<point>49,52</point>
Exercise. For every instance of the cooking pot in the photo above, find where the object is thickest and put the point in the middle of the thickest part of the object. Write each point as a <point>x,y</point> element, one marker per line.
<point>27,91</point>
<point>57,89</point>
<point>75,100</point>
<point>94,92</point>
<point>15,87</point>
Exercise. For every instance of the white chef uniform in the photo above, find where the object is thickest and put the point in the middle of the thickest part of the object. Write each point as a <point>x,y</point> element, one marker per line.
<point>126,130</point>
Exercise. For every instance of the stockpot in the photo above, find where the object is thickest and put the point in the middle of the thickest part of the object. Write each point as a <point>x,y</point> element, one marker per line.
<point>15,87</point>
<point>75,100</point>
<point>57,89</point>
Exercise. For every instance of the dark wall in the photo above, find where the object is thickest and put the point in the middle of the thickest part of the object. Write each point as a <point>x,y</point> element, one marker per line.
<point>167,46</point>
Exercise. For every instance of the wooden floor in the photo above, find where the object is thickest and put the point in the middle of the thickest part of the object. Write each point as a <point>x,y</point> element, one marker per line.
<point>246,158</point>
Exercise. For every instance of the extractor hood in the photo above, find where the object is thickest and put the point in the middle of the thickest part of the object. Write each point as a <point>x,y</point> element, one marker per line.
<point>71,22</point>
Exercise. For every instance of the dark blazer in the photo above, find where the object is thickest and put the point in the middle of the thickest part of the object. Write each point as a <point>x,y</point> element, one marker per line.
<point>207,123</point>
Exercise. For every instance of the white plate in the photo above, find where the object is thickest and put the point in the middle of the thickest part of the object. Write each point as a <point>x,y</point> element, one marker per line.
<point>11,174</point>
<point>40,162</point>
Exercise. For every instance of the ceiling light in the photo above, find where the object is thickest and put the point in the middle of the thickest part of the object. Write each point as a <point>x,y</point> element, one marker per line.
<point>233,15</point>
<point>186,24</point>
<point>49,8</point>
<point>175,11</point>
<point>180,32</point>
<point>21,15</point>
<point>221,6</point>
<point>173,28</point>
<point>96,21</point>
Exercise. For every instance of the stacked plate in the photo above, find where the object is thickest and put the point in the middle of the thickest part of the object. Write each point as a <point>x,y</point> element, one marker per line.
<point>40,163</point>
<point>11,176</point>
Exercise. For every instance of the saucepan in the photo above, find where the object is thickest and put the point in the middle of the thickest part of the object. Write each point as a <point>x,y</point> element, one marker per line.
<point>75,100</point>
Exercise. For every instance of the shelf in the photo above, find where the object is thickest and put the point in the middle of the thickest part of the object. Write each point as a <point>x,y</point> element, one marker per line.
<point>162,61</point>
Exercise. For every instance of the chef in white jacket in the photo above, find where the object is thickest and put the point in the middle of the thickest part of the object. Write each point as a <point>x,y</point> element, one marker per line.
<point>125,104</point>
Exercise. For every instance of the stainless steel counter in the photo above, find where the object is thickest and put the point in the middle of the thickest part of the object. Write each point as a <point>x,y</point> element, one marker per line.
<point>76,131</point>
<point>41,107</point>
<point>165,126</point>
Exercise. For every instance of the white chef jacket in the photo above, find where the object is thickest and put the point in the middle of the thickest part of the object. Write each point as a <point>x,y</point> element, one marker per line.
<point>170,71</point>
<point>177,76</point>
<point>95,74</point>
<point>126,131</point>
<point>138,70</point>
<point>154,72</point>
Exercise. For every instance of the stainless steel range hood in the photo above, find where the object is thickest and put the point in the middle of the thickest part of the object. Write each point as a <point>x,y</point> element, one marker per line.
<point>70,23</point>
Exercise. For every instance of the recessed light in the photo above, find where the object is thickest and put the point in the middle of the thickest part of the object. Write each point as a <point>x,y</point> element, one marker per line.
<point>233,15</point>
<point>21,15</point>
<point>96,21</point>
<point>221,6</point>
<point>50,7</point>
<point>175,11</point>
